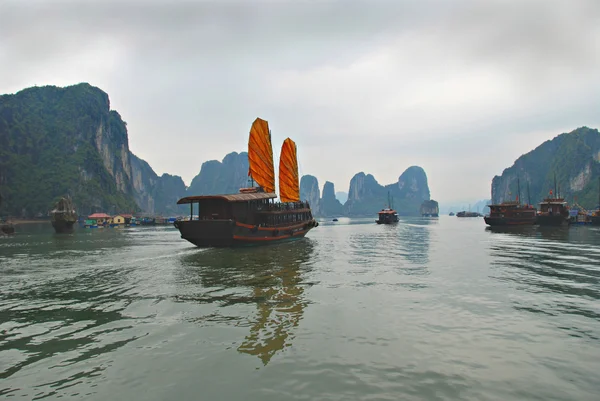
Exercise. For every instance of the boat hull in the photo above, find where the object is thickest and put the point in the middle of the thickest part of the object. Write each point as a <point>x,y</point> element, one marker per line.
<point>63,226</point>
<point>229,233</point>
<point>554,220</point>
<point>595,220</point>
<point>508,221</point>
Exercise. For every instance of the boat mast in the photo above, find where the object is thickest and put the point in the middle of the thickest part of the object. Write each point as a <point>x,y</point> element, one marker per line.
<point>518,190</point>
<point>555,192</point>
<point>528,194</point>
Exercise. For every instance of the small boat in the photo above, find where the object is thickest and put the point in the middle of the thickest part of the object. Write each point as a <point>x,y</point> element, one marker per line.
<point>511,213</point>
<point>451,214</point>
<point>63,217</point>
<point>252,217</point>
<point>6,227</point>
<point>387,215</point>
<point>334,220</point>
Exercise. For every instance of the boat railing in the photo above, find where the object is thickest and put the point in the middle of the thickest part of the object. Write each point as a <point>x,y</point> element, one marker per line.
<point>283,206</point>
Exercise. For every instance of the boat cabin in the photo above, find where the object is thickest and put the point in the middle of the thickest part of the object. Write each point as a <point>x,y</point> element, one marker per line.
<point>387,216</point>
<point>553,206</point>
<point>256,209</point>
<point>512,209</point>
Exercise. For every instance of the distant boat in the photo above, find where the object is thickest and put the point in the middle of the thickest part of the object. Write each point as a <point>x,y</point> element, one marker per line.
<point>511,213</point>
<point>387,215</point>
<point>451,214</point>
<point>467,214</point>
<point>251,217</point>
<point>63,217</point>
<point>6,227</point>
<point>334,220</point>
<point>554,210</point>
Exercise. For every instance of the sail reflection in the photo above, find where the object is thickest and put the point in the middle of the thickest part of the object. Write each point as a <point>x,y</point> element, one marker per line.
<point>274,274</point>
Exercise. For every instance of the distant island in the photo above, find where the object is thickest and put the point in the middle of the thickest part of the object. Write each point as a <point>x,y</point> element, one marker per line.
<point>67,141</point>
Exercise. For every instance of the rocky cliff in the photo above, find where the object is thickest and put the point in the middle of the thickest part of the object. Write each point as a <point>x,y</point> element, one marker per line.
<point>309,191</point>
<point>225,177</point>
<point>56,141</point>
<point>575,159</point>
<point>366,196</point>
<point>329,206</point>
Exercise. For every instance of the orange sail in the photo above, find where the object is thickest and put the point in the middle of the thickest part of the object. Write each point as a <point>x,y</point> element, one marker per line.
<point>289,188</point>
<point>260,155</point>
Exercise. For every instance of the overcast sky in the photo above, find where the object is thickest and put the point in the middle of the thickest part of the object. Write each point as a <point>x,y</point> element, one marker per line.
<point>460,88</point>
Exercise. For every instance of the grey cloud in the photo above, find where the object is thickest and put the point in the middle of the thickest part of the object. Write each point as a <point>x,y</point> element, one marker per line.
<point>193,75</point>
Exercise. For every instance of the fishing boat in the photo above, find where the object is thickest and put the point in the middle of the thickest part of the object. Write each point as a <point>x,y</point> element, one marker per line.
<point>387,215</point>
<point>63,216</point>
<point>252,217</point>
<point>511,213</point>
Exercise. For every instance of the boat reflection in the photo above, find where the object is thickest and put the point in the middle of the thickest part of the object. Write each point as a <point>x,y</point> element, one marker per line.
<point>271,277</point>
<point>581,234</point>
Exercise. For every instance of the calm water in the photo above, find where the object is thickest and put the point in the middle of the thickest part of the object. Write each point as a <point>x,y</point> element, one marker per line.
<point>438,309</point>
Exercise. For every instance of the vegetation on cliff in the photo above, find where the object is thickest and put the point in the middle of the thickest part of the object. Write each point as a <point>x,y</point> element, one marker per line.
<point>56,141</point>
<point>575,159</point>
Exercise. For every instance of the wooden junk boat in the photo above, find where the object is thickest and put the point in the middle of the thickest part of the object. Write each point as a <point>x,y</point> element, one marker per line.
<point>387,215</point>
<point>63,217</point>
<point>554,211</point>
<point>511,213</point>
<point>251,217</point>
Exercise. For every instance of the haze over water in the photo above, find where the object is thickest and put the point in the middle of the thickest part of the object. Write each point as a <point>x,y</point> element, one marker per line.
<point>429,309</point>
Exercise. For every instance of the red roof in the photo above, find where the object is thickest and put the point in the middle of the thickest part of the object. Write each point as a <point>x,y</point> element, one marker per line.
<point>99,216</point>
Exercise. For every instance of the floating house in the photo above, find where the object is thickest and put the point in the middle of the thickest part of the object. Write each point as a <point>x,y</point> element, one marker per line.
<point>98,220</point>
